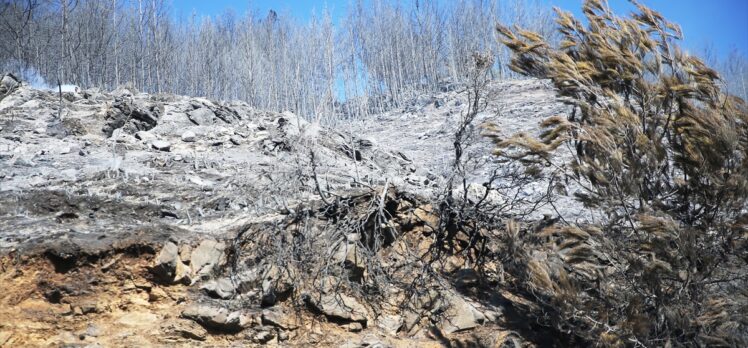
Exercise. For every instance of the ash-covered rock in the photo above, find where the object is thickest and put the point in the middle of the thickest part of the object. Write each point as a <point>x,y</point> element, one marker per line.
<point>131,116</point>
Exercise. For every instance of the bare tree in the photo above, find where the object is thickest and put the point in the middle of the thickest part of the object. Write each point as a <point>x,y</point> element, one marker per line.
<point>381,53</point>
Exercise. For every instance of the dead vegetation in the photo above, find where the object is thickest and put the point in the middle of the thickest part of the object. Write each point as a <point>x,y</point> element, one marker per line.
<point>663,154</point>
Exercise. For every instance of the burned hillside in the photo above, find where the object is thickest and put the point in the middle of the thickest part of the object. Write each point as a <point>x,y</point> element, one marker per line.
<point>599,200</point>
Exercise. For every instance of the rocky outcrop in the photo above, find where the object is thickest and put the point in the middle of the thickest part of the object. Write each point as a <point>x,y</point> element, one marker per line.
<point>131,115</point>
<point>184,329</point>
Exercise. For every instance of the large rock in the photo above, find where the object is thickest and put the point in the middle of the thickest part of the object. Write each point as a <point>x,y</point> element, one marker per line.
<point>277,283</point>
<point>183,274</point>
<point>168,266</point>
<point>262,335</point>
<point>131,116</point>
<point>427,216</point>
<point>216,318</point>
<point>354,327</point>
<point>161,145</point>
<point>185,253</point>
<point>390,324</point>
<point>189,137</point>
<point>350,256</point>
<point>278,317</point>
<point>459,315</point>
<point>206,256</point>
<point>247,280</point>
<point>338,306</point>
<point>201,116</point>
<point>121,137</point>
<point>8,83</point>
<point>184,329</point>
<point>222,288</point>
<point>166,262</point>
<point>145,136</point>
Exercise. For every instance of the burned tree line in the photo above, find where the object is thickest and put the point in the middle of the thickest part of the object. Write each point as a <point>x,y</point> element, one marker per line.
<point>377,55</point>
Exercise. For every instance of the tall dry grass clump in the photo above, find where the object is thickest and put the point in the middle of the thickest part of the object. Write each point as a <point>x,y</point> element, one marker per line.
<point>663,154</point>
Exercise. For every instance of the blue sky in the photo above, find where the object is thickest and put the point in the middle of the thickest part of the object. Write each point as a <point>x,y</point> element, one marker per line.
<point>723,23</point>
<point>300,9</point>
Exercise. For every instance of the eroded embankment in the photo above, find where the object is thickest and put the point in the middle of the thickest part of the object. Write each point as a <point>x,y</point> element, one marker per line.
<point>63,297</point>
<point>356,271</point>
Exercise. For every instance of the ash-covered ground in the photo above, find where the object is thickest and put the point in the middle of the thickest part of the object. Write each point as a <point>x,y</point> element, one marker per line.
<point>132,219</point>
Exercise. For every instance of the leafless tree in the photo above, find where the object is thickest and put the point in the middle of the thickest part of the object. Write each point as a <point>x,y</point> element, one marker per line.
<point>378,55</point>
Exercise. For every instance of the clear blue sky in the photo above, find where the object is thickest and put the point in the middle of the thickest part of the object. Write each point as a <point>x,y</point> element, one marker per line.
<point>300,9</point>
<point>723,23</point>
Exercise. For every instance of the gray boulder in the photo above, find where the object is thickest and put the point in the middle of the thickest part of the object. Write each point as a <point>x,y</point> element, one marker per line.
<point>165,264</point>
<point>277,282</point>
<point>144,136</point>
<point>207,255</point>
<point>189,137</point>
<point>221,288</point>
<point>278,317</point>
<point>201,116</point>
<point>216,318</point>
<point>8,83</point>
<point>161,145</point>
<point>390,324</point>
<point>459,315</point>
<point>338,306</point>
<point>184,329</point>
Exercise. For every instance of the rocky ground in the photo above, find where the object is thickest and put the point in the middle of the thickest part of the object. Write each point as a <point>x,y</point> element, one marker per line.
<point>130,219</point>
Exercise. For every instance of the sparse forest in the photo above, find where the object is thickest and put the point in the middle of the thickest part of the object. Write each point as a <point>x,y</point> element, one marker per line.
<point>380,54</point>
